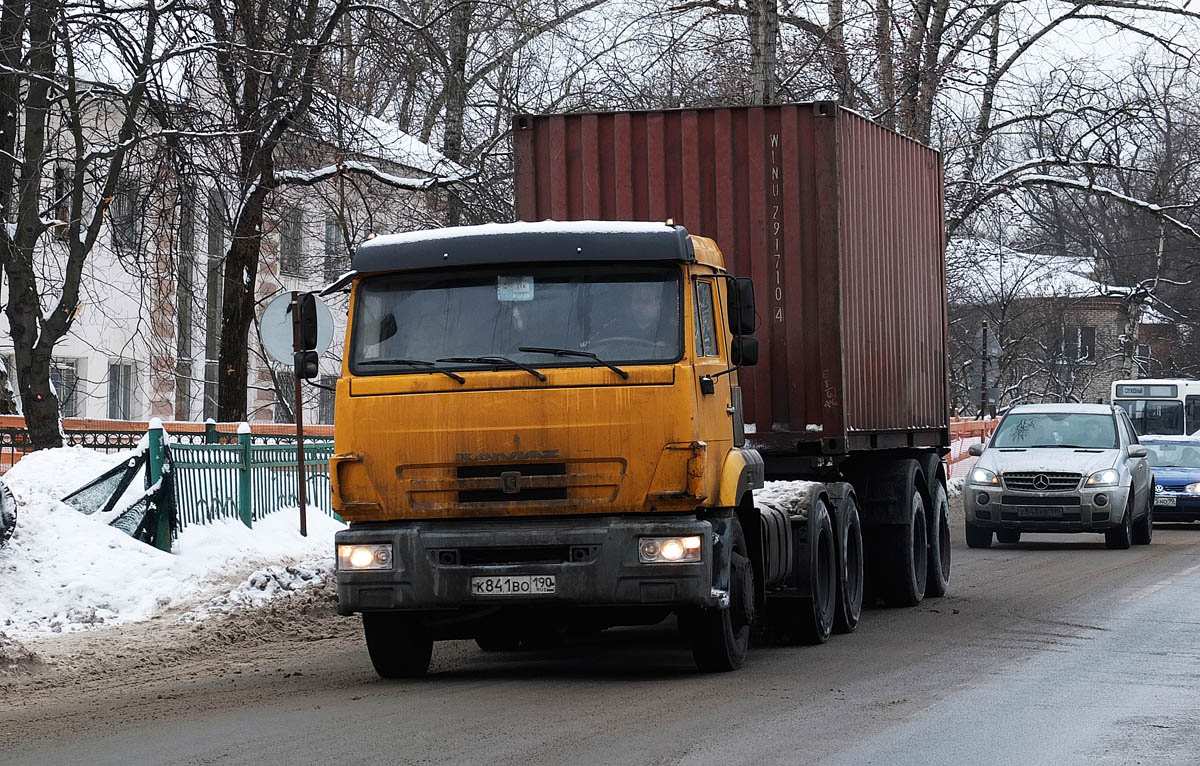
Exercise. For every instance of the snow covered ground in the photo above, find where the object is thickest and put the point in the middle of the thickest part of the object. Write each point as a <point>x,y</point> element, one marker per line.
<point>65,571</point>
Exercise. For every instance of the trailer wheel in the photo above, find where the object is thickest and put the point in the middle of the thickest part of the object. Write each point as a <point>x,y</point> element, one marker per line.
<point>908,557</point>
<point>939,544</point>
<point>400,646</point>
<point>814,620</point>
<point>850,569</point>
<point>720,637</point>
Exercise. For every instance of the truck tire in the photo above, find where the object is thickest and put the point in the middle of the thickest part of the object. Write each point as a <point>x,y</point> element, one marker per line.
<point>1119,538</point>
<point>1008,536</point>
<point>907,555</point>
<point>400,646</point>
<point>1143,528</point>
<point>938,580</point>
<point>818,607</point>
<point>498,642</point>
<point>978,537</point>
<point>850,568</point>
<point>720,637</point>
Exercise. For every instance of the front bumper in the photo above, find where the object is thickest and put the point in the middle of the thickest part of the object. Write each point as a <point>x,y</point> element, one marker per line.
<point>1186,508</point>
<point>594,562</point>
<point>1086,510</point>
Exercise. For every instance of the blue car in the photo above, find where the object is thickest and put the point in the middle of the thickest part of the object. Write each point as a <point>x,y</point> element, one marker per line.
<point>1175,462</point>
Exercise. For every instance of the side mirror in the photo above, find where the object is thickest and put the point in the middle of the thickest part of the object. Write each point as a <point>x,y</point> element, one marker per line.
<point>306,308</point>
<point>1137,450</point>
<point>975,450</point>
<point>744,351</point>
<point>741,306</point>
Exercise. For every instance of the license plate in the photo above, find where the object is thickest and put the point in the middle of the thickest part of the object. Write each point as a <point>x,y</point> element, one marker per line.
<point>513,585</point>
<point>1167,501</point>
<point>1038,512</point>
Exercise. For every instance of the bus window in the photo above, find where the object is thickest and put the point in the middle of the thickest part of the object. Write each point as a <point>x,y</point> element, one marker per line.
<point>1192,425</point>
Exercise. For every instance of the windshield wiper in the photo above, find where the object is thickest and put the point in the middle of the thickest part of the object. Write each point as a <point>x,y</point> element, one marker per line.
<point>572,352</point>
<point>430,366</point>
<point>495,361</point>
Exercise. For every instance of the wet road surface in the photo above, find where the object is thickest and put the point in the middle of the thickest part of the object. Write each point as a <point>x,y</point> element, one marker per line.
<point>1053,651</point>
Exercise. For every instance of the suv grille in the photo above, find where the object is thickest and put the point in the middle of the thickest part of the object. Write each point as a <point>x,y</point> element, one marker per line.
<point>1042,481</point>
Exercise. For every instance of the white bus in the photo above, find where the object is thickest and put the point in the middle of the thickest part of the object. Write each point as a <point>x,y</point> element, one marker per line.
<point>1160,406</point>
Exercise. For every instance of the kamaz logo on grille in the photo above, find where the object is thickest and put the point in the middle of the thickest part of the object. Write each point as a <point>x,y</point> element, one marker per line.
<point>480,457</point>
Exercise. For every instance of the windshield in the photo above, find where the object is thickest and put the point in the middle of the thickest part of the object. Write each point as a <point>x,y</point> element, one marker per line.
<point>1056,429</point>
<point>628,314</point>
<point>1185,455</point>
<point>1152,416</point>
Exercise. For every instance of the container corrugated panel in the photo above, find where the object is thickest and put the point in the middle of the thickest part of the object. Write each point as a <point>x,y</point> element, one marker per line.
<point>837,221</point>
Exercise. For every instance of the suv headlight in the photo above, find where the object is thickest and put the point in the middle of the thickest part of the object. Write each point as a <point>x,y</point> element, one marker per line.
<point>1109,477</point>
<point>984,476</point>
<point>373,556</point>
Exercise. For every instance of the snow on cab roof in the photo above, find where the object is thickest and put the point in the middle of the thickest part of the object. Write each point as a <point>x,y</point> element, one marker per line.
<point>1063,408</point>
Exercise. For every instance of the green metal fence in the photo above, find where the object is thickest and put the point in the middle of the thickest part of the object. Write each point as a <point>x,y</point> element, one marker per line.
<point>247,481</point>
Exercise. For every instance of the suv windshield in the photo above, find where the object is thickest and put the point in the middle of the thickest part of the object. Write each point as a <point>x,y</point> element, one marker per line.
<point>1056,429</point>
<point>626,314</point>
<point>1154,417</point>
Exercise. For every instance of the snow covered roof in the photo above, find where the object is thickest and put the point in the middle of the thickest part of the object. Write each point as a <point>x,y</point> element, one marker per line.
<point>359,133</point>
<point>983,271</point>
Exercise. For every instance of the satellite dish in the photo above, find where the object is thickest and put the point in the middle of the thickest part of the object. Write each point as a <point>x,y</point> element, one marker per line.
<point>275,328</point>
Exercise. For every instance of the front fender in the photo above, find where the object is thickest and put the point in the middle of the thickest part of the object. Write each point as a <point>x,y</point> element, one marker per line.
<point>742,471</point>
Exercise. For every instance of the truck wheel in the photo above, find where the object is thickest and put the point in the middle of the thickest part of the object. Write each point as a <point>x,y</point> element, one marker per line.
<point>908,557</point>
<point>1143,528</point>
<point>720,637</point>
<point>498,642</point>
<point>978,537</point>
<point>814,620</point>
<point>400,646</point>
<point>939,544</point>
<point>1120,537</point>
<point>850,570</point>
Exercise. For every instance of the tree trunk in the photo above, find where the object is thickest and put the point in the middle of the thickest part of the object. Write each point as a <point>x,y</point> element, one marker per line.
<point>237,310</point>
<point>456,98</point>
<point>885,71</point>
<point>763,22</point>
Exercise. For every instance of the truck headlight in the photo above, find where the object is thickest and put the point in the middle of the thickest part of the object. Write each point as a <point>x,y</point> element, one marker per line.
<point>1192,489</point>
<point>668,550</point>
<point>372,556</point>
<point>983,476</point>
<point>1106,478</point>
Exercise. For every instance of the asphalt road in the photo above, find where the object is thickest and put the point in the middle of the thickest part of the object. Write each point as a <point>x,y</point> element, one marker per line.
<point>1056,651</point>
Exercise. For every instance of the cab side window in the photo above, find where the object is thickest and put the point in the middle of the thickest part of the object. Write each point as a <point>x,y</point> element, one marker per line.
<point>706,321</point>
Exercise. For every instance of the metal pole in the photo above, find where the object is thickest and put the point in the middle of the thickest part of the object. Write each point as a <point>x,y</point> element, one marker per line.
<point>245,476</point>
<point>983,381</point>
<point>298,409</point>
<point>162,532</point>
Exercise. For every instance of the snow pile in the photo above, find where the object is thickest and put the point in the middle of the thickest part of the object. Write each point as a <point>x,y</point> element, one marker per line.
<point>265,585</point>
<point>65,571</point>
<point>786,495</point>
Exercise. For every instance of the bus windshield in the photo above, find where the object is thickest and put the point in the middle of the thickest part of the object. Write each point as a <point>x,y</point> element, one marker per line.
<point>1154,416</point>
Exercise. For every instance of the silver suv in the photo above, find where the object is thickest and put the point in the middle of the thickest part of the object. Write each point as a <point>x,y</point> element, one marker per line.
<point>1060,468</point>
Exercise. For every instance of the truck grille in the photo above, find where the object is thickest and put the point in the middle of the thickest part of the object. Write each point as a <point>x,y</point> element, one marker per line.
<point>1042,481</point>
<point>523,494</point>
<point>468,488</point>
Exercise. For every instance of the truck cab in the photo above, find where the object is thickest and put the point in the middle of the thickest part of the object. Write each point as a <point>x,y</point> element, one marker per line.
<point>538,430</point>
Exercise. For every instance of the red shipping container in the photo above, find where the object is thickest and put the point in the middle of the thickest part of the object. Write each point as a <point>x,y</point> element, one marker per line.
<point>838,221</point>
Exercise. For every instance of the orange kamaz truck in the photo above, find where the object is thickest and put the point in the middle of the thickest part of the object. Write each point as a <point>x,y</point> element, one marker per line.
<point>558,425</point>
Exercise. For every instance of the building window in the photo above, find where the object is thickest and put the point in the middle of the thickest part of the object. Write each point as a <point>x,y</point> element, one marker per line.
<point>120,391</point>
<point>289,241</point>
<point>1141,357</point>
<point>210,390</point>
<point>1079,344</point>
<point>62,201</point>
<point>336,262</point>
<point>183,390</point>
<point>327,399</point>
<point>124,217</point>
<point>64,377</point>
<point>285,394</point>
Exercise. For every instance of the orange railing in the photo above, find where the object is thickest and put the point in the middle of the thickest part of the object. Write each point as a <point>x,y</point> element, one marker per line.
<point>964,433</point>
